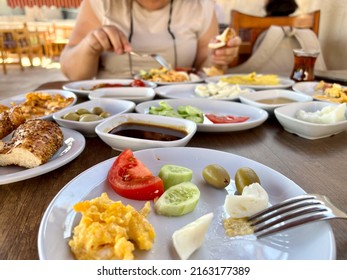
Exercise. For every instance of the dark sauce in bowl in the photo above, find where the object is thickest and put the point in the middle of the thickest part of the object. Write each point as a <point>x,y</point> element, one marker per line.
<point>148,132</point>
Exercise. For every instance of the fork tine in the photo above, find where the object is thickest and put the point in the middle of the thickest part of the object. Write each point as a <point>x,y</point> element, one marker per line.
<point>285,209</point>
<point>293,212</point>
<point>292,215</point>
<point>312,217</point>
<point>280,205</point>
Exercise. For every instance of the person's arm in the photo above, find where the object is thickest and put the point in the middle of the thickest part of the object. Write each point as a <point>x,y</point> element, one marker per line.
<point>80,58</point>
<point>220,57</point>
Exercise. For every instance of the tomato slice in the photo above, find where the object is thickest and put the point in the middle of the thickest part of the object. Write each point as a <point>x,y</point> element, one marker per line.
<point>130,178</point>
<point>137,83</point>
<point>226,118</point>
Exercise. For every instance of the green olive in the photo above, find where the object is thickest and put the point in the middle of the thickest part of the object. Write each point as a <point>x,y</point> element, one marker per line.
<point>90,118</point>
<point>244,177</point>
<point>105,115</point>
<point>216,176</point>
<point>97,111</point>
<point>71,116</point>
<point>82,111</point>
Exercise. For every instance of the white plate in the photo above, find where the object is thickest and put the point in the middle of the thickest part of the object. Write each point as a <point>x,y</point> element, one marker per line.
<point>83,87</point>
<point>254,98</point>
<point>19,99</point>
<point>308,130</point>
<point>311,241</point>
<point>284,82</point>
<point>74,144</point>
<point>218,107</point>
<point>135,94</point>
<point>185,91</point>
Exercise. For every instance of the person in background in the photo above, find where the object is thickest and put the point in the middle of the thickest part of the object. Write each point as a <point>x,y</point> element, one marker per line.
<point>106,31</point>
<point>278,8</point>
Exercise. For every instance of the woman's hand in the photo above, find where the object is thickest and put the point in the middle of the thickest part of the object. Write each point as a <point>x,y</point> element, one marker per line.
<point>108,38</point>
<point>223,56</point>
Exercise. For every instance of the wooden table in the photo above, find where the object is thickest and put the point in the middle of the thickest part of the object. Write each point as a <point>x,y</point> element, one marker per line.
<point>317,166</point>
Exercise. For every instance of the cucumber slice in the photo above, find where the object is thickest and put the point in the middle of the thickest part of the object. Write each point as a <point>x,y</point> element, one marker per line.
<point>174,174</point>
<point>178,200</point>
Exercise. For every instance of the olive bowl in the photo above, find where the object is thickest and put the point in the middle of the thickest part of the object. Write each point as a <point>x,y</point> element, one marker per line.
<point>112,107</point>
<point>143,131</point>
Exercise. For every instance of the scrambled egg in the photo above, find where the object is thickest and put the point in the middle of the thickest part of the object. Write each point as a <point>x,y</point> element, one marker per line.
<point>252,79</point>
<point>331,92</point>
<point>110,230</point>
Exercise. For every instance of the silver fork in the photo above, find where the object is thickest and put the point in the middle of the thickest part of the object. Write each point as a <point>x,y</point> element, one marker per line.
<point>156,57</point>
<point>294,212</point>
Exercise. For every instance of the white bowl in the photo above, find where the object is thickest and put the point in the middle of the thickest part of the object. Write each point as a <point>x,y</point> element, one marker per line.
<point>135,94</point>
<point>286,116</point>
<point>21,98</point>
<point>255,98</point>
<point>120,143</point>
<point>114,107</point>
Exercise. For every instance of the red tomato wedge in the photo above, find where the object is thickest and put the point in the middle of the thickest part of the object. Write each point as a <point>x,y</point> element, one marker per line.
<point>130,178</point>
<point>226,118</point>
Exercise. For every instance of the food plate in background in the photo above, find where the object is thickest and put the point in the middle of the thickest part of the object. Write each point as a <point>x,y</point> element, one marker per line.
<point>194,78</point>
<point>311,241</point>
<point>218,107</point>
<point>135,94</point>
<point>266,99</point>
<point>73,145</point>
<point>21,98</point>
<point>305,87</point>
<point>328,92</point>
<point>188,91</point>
<point>85,87</point>
<point>284,82</point>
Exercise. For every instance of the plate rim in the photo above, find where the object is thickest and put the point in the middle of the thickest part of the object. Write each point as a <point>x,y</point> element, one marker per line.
<point>83,92</point>
<point>40,243</point>
<point>43,169</point>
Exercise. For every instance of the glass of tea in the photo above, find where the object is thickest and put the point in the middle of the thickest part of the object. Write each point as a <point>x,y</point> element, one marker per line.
<point>304,61</point>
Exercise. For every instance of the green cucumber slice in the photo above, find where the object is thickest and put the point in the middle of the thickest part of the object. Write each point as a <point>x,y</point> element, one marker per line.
<point>178,200</point>
<point>174,174</point>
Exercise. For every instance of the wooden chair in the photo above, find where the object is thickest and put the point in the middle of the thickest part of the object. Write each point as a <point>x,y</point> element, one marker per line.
<point>18,43</point>
<point>250,27</point>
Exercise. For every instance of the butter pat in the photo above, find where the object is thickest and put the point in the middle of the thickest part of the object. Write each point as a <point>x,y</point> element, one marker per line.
<point>253,199</point>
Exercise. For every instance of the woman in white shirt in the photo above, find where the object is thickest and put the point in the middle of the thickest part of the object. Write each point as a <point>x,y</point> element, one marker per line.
<point>107,30</point>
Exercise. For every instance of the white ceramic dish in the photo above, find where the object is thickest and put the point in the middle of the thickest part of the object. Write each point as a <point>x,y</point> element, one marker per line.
<point>218,107</point>
<point>311,242</point>
<point>254,99</point>
<point>74,144</point>
<point>135,94</point>
<point>114,107</point>
<point>19,99</point>
<point>84,87</point>
<point>186,91</point>
<point>120,143</point>
<point>312,131</point>
<point>284,82</point>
